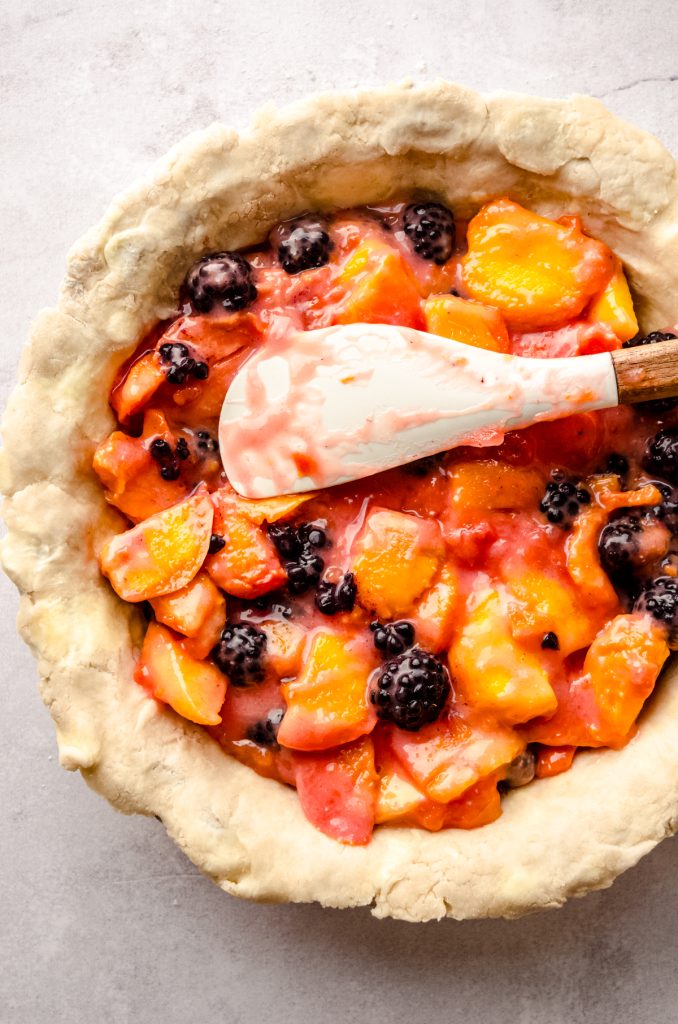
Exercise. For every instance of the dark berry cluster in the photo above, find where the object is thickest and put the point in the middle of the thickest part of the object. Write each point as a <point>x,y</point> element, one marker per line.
<point>430,229</point>
<point>411,690</point>
<point>224,277</point>
<point>331,598</point>
<point>265,732</point>
<point>303,244</point>
<point>562,500</point>
<point>657,405</point>
<point>392,637</point>
<point>240,653</point>
<point>659,597</point>
<point>661,455</point>
<point>181,364</point>
<point>168,459</point>
<point>205,442</point>
<point>297,549</point>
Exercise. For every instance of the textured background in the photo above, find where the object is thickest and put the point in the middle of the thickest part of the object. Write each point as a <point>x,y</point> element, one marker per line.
<point>101,918</point>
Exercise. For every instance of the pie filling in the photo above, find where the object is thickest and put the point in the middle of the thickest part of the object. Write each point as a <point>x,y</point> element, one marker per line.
<point>405,649</point>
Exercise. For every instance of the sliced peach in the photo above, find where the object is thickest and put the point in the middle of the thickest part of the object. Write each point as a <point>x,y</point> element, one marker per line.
<point>538,273</point>
<point>197,611</point>
<point>270,510</point>
<point>479,805</point>
<point>491,485</point>
<point>543,603</point>
<point>195,689</point>
<point>471,323</point>
<point>492,671</point>
<point>327,704</point>
<point>284,647</point>
<point>447,757</point>
<point>395,559</point>
<point>613,306</point>
<point>338,790</point>
<point>398,796</point>
<point>131,477</point>
<point>435,614</point>
<point>248,565</point>
<point>143,379</point>
<point>583,561</point>
<point>163,553</point>
<point>380,288</point>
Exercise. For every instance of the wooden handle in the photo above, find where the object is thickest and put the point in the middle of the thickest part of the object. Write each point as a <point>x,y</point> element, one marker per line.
<point>646,372</point>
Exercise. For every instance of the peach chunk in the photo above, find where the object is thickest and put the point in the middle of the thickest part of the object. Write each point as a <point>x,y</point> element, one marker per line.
<point>195,689</point>
<point>541,603</point>
<point>143,379</point>
<point>197,611</point>
<point>471,323</point>
<point>338,789</point>
<point>163,553</point>
<point>491,485</point>
<point>447,757</point>
<point>613,306</point>
<point>583,561</point>
<point>395,559</point>
<point>327,704</point>
<point>492,671</point>
<point>285,643</point>
<point>435,613</point>
<point>247,566</point>
<point>380,288</point>
<point>539,273</point>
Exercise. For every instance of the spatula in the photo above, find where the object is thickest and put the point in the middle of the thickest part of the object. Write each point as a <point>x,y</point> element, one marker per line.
<point>312,409</point>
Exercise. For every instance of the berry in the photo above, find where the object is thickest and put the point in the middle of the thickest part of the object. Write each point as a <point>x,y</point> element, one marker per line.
<point>313,534</point>
<point>240,652</point>
<point>201,371</point>
<point>224,277</point>
<point>619,543</point>
<point>180,363</point>
<point>430,229</point>
<point>411,690</point>
<point>331,598</point>
<point>659,597</point>
<point>206,443</point>
<point>392,637</point>
<point>182,451</point>
<point>667,513</point>
<point>661,455</point>
<point>285,539</point>
<point>550,641</point>
<point>520,770</point>
<point>617,464</point>
<point>303,243</point>
<point>562,500</point>
<point>304,574</point>
<point>160,449</point>
<point>170,471</point>
<point>295,545</point>
<point>217,542</point>
<point>265,732</point>
<point>657,405</point>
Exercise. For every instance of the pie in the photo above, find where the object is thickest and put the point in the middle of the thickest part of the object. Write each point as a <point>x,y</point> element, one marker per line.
<point>434,690</point>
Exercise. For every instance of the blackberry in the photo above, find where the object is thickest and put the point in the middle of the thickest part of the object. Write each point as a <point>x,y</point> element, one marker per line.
<point>667,513</point>
<point>661,455</point>
<point>285,539</point>
<point>550,641</point>
<point>520,770</point>
<point>265,732</point>
<point>170,470</point>
<point>313,533</point>
<point>331,598</point>
<point>430,229</point>
<point>659,597</point>
<point>303,243</point>
<point>304,573</point>
<point>201,371</point>
<point>619,544</point>
<point>240,653</point>
<point>411,690</point>
<point>180,363</point>
<point>160,449</point>
<point>296,545</point>
<point>392,637</point>
<point>181,450</point>
<point>205,442</point>
<point>657,405</point>
<point>217,542</point>
<point>562,500</point>
<point>224,277</point>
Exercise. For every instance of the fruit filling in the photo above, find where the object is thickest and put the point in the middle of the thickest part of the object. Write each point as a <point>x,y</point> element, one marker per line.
<point>406,649</point>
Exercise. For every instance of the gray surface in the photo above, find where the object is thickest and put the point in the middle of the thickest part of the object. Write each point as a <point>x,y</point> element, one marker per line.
<point>101,918</point>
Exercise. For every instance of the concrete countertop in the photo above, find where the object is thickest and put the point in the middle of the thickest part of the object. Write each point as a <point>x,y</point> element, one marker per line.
<point>103,919</point>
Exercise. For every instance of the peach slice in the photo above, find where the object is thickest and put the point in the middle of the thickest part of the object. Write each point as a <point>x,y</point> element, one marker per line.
<point>435,613</point>
<point>395,559</point>
<point>479,805</point>
<point>492,671</point>
<point>583,561</point>
<point>327,704</point>
<point>195,689</point>
<point>163,553</point>
<point>338,790</point>
<point>284,646</point>
<point>471,323</point>
<point>540,603</point>
<point>198,611</point>
<point>613,306</point>
<point>380,288</point>
<point>447,757</point>
<point>248,565</point>
<point>491,485</point>
<point>143,379</point>
<point>538,273</point>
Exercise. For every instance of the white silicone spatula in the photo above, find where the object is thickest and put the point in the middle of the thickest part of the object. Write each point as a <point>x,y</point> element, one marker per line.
<point>313,409</point>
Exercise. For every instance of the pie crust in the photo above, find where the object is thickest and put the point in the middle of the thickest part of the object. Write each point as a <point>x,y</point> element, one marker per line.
<point>219,190</point>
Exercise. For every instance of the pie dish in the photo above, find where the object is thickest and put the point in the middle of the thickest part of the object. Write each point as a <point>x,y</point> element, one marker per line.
<point>217,191</point>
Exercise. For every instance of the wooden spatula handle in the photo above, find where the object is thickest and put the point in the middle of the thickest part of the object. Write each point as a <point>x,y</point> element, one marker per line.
<point>647,372</point>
